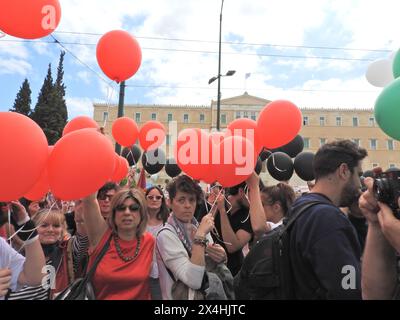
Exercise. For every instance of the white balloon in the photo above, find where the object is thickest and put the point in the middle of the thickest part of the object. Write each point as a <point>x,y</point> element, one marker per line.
<point>379,73</point>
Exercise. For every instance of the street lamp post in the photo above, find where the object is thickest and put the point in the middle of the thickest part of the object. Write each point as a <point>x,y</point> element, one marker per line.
<point>229,73</point>
<point>120,110</point>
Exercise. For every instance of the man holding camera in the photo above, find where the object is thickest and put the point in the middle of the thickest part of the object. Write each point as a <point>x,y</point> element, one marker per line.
<point>379,276</point>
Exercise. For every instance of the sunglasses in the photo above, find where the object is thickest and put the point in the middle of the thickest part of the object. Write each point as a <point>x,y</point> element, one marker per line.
<point>132,207</point>
<point>104,196</point>
<point>154,197</point>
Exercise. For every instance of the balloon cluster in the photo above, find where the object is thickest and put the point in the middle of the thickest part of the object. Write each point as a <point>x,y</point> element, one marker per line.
<point>387,112</point>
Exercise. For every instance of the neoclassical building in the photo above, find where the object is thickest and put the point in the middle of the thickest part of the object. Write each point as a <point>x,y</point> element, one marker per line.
<point>320,125</point>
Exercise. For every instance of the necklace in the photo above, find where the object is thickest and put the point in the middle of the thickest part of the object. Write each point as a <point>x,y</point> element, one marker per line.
<point>119,251</point>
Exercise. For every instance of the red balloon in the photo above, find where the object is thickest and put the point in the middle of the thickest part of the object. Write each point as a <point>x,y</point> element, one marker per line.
<point>24,155</point>
<point>210,172</point>
<point>125,131</point>
<point>151,135</point>
<point>279,123</point>
<point>81,122</point>
<point>192,152</point>
<point>238,159</point>
<point>41,187</point>
<point>31,19</point>
<point>121,170</point>
<point>119,55</point>
<point>81,162</point>
<point>247,128</point>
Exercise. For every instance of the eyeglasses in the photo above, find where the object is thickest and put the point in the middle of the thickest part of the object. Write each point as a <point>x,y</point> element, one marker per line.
<point>104,196</point>
<point>158,198</point>
<point>132,207</point>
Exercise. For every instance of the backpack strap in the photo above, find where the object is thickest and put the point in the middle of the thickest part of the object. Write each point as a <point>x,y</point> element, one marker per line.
<point>294,214</point>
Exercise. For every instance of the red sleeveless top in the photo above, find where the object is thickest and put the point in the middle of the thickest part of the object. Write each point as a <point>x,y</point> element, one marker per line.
<point>116,279</point>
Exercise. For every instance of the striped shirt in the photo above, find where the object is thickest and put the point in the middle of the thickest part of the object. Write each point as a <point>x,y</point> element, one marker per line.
<point>80,246</point>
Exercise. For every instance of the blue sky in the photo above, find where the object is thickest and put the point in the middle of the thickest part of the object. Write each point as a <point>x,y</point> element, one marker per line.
<point>356,33</point>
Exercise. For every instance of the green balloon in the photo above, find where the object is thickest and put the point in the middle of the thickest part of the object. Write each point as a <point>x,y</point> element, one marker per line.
<point>387,110</point>
<point>396,65</point>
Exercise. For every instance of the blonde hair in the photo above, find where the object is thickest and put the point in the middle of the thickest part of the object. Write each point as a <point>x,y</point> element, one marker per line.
<point>53,216</point>
<point>119,198</point>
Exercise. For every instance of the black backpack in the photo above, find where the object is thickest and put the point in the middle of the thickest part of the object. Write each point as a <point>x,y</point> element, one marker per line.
<point>266,270</point>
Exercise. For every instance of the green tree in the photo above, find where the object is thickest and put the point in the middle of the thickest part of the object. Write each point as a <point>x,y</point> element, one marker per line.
<point>60,87</point>
<point>22,103</point>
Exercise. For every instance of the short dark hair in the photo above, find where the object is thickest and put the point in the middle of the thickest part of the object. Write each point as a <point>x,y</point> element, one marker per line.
<point>108,186</point>
<point>331,155</point>
<point>184,183</point>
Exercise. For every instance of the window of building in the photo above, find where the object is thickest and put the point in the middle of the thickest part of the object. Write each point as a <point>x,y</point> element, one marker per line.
<point>371,122</point>
<point>322,141</point>
<point>202,117</point>
<point>105,116</point>
<point>253,116</point>
<point>355,122</point>
<point>392,165</point>
<point>153,116</point>
<point>305,121</point>
<point>137,116</point>
<point>237,115</point>
<point>306,143</point>
<point>339,121</point>
<point>390,145</point>
<point>168,139</point>
<point>169,117</point>
<point>321,121</point>
<point>245,114</point>
<point>356,141</point>
<point>373,143</point>
<point>374,165</point>
<point>185,118</point>
<point>223,118</point>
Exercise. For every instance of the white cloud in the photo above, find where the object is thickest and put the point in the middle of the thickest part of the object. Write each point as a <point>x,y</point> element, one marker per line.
<point>14,66</point>
<point>79,107</point>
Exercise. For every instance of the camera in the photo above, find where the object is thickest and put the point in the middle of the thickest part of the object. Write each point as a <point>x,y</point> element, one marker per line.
<point>387,189</point>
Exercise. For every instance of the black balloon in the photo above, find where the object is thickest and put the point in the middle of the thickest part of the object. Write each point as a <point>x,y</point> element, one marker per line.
<point>131,154</point>
<point>172,169</point>
<point>303,165</point>
<point>280,166</point>
<point>258,167</point>
<point>153,161</point>
<point>293,148</point>
<point>265,154</point>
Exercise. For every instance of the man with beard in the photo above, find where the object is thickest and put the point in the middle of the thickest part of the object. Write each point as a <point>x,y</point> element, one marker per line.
<point>233,228</point>
<point>324,248</point>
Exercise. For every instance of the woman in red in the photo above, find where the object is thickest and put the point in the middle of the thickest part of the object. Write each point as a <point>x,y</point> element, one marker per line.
<point>123,272</point>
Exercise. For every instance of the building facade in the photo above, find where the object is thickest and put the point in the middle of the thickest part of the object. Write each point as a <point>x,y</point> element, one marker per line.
<point>320,125</point>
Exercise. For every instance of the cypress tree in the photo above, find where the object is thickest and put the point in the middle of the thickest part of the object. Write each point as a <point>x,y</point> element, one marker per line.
<point>60,87</point>
<point>22,103</point>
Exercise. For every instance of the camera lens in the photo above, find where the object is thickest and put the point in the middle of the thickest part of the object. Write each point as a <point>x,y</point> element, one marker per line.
<point>382,190</point>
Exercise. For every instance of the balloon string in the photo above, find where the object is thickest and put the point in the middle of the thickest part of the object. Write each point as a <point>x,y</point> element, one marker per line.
<point>110,93</point>
<point>133,158</point>
<point>246,194</point>
<point>214,231</point>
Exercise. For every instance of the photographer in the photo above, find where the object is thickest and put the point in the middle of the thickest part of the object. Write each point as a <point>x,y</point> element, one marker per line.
<point>379,276</point>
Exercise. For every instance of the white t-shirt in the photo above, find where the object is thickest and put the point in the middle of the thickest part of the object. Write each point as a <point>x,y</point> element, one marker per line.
<point>9,258</point>
<point>274,225</point>
<point>154,230</point>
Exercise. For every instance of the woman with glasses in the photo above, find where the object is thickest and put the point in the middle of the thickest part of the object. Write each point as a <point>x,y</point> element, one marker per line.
<point>158,213</point>
<point>124,270</point>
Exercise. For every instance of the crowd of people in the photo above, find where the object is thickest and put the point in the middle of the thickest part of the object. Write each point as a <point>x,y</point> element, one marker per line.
<point>180,242</point>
